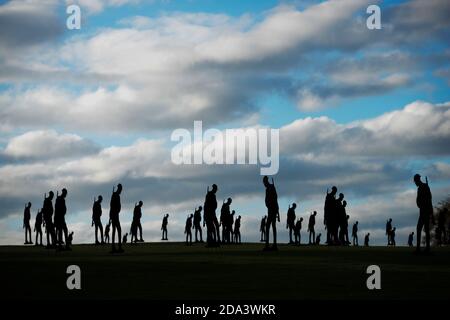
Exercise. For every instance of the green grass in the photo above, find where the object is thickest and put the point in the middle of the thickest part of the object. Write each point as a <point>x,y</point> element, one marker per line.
<point>174,271</point>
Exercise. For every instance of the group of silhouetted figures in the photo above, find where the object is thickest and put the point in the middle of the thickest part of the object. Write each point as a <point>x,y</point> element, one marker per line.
<point>53,220</point>
<point>226,230</point>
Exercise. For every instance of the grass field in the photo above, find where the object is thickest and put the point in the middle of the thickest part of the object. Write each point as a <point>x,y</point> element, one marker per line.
<point>174,271</point>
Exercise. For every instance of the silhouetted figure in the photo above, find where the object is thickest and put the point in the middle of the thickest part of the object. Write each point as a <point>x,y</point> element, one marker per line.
<point>441,232</point>
<point>230,222</point>
<point>273,213</point>
<point>297,229</point>
<point>338,221</point>
<point>188,229</point>
<point>424,203</point>
<point>197,224</point>
<point>411,239</point>
<point>318,239</point>
<point>133,233</point>
<point>96,219</point>
<point>366,240</point>
<point>38,227</point>
<point>114,211</point>
<point>343,225</point>
<point>47,212</point>
<point>262,228</point>
<point>237,230</point>
<point>330,219</point>
<point>136,223</point>
<point>393,237</point>
<point>26,223</point>
<point>107,228</point>
<point>355,234</point>
<point>224,220</point>
<point>125,238</point>
<point>311,225</point>
<point>164,224</point>
<point>60,219</point>
<point>209,217</point>
<point>389,230</point>
<point>69,240</point>
<point>290,221</point>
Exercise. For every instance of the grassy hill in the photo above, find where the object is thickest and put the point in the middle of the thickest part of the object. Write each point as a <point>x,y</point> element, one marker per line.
<point>174,271</point>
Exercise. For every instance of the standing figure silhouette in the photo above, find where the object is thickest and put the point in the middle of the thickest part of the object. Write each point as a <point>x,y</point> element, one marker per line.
<point>298,228</point>
<point>96,219</point>
<point>197,224</point>
<point>290,221</point>
<point>60,219</point>
<point>273,213</point>
<point>38,227</point>
<point>425,205</point>
<point>311,230</point>
<point>188,229</point>
<point>114,211</point>
<point>26,223</point>
<point>329,215</point>
<point>164,224</point>
<point>355,234</point>
<point>47,209</point>
<point>389,231</point>
<point>237,230</point>
<point>210,219</point>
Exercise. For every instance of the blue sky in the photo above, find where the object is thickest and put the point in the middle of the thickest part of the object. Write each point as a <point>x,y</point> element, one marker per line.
<point>86,109</point>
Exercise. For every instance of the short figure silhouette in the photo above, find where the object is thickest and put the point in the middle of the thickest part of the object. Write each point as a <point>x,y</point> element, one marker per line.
<point>262,228</point>
<point>38,227</point>
<point>210,219</point>
<point>60,219</point>
<point>47,212</point>
<point>26,223</point>
<point>96,219</point>
<point>297,229</point>
<point>393,237</point>
<point>114,211</point>
<point>411,239</point>
<point>237,230</point>
<point>273,213</point>
<point>198,224</point>
<point>188,229</point>
<point>330,219</point>
<point>290,221</point>
<point>355,234</point>
<point>389,231</point>
<point>125,238</point>
<point>70,239</point>
<point>318,239</point>
<point>311,230</point>
<point>107,228</point>
<point>164,224</point>
<point>366,240</point>
<point>425,205</point>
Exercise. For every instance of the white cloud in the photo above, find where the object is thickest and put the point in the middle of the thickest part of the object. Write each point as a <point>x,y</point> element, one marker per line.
<point>48,144</point>
<point>419,129</point>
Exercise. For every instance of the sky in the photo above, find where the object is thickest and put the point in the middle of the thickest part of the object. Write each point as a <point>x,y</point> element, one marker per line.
<point>86,109</point>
